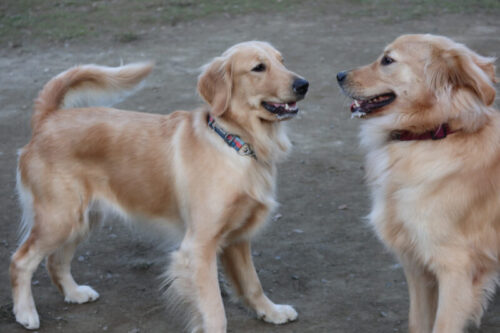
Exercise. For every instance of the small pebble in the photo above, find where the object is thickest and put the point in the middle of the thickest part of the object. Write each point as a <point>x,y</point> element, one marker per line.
<point>298,231</point>
<point>342,207</point>
<point>277,217</point>
<point>81,258</point>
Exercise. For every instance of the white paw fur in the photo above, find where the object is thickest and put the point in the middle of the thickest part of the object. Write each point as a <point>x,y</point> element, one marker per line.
<point>82,294</point>
<point>27,316</point>
<point>279,314</point>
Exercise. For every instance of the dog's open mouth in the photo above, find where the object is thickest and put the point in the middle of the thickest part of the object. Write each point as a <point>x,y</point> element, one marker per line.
<point>362,107</point>
<point>282,110</point>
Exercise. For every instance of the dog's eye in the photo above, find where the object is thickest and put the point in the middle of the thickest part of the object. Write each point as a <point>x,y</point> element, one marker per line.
<point>259,68</point>
<point>386,60</point>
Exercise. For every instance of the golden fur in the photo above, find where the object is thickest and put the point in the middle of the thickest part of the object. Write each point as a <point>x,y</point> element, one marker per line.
<point>436,203</point>
<point>166,168</point>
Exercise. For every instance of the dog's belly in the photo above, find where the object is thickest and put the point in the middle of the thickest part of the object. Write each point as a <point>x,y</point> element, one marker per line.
<point>141,188</point>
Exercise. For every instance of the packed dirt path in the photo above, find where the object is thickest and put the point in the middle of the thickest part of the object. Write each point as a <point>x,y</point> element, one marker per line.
<point>317,253</point>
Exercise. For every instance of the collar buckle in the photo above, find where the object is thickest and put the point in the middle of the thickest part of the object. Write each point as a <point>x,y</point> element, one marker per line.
<point>245,150</point>
<point>440,133</point>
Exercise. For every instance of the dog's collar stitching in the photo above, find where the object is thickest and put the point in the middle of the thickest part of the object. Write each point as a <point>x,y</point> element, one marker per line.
<point>232,140</point>
<point>441,132</point>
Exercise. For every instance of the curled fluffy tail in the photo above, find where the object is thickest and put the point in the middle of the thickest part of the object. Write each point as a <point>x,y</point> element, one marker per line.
<point>89,85</point>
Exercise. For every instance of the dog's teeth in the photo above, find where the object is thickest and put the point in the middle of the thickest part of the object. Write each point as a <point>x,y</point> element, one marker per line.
<point>358,114</point>
<point>356,103</point>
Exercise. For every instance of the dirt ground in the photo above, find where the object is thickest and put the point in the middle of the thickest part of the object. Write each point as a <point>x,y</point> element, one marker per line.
<point>317,253</point>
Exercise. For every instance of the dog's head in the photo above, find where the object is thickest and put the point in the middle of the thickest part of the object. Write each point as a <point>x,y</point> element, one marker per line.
<point>422,80</point>
<point>251,77</point>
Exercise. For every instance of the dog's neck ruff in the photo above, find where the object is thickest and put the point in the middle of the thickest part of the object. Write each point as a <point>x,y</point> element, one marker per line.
<point>441,132</point>
<point>232,140</point>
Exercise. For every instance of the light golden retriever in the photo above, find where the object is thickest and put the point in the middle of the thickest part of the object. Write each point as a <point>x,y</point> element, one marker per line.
<point>433,164</point>
<point>211,173</point>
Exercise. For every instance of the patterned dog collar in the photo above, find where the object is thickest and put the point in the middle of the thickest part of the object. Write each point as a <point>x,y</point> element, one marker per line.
<point>232,140</point>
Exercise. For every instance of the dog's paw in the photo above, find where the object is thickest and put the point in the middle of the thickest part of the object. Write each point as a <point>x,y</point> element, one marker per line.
<point>279,314</point>
<point>82,294</point>
<point>27,316</point>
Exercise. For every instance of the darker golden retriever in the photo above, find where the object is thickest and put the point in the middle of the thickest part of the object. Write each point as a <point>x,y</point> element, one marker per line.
<point>432,139</point>
<point>211,173</point>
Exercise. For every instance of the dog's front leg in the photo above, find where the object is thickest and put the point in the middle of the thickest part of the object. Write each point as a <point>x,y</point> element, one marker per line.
<point>238,264</point>
<point>193,276</point>
<point>207,284</point>
<point>456,301</point>
<point>422,287</point>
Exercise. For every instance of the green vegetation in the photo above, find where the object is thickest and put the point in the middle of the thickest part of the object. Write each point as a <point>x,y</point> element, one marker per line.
<point>62,20</point>
<point>395,11</point>
<point>126,20</point>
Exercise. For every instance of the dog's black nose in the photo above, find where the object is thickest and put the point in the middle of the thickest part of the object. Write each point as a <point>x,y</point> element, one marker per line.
<point>300,86</point>
<point>341,76</point>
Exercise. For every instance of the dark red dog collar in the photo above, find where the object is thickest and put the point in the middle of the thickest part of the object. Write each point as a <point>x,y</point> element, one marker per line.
<point>436,134</point>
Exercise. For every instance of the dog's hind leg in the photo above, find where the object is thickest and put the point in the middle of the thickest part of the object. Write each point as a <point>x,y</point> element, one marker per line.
<point>238,264</point>
<point>42,240</point>
<point>59,267</point>
<point>55,223</point>
<point>24,263</point>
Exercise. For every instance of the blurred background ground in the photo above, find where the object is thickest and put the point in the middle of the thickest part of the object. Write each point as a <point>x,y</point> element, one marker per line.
<point>317,253</point>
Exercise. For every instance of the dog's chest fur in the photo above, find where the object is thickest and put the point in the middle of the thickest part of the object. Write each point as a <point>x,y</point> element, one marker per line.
<point>423,201</point>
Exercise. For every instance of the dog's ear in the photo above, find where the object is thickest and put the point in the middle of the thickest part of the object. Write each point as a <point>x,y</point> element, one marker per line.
<point>487,65</point>
<point>215,84</point>
<point>461,67</point>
